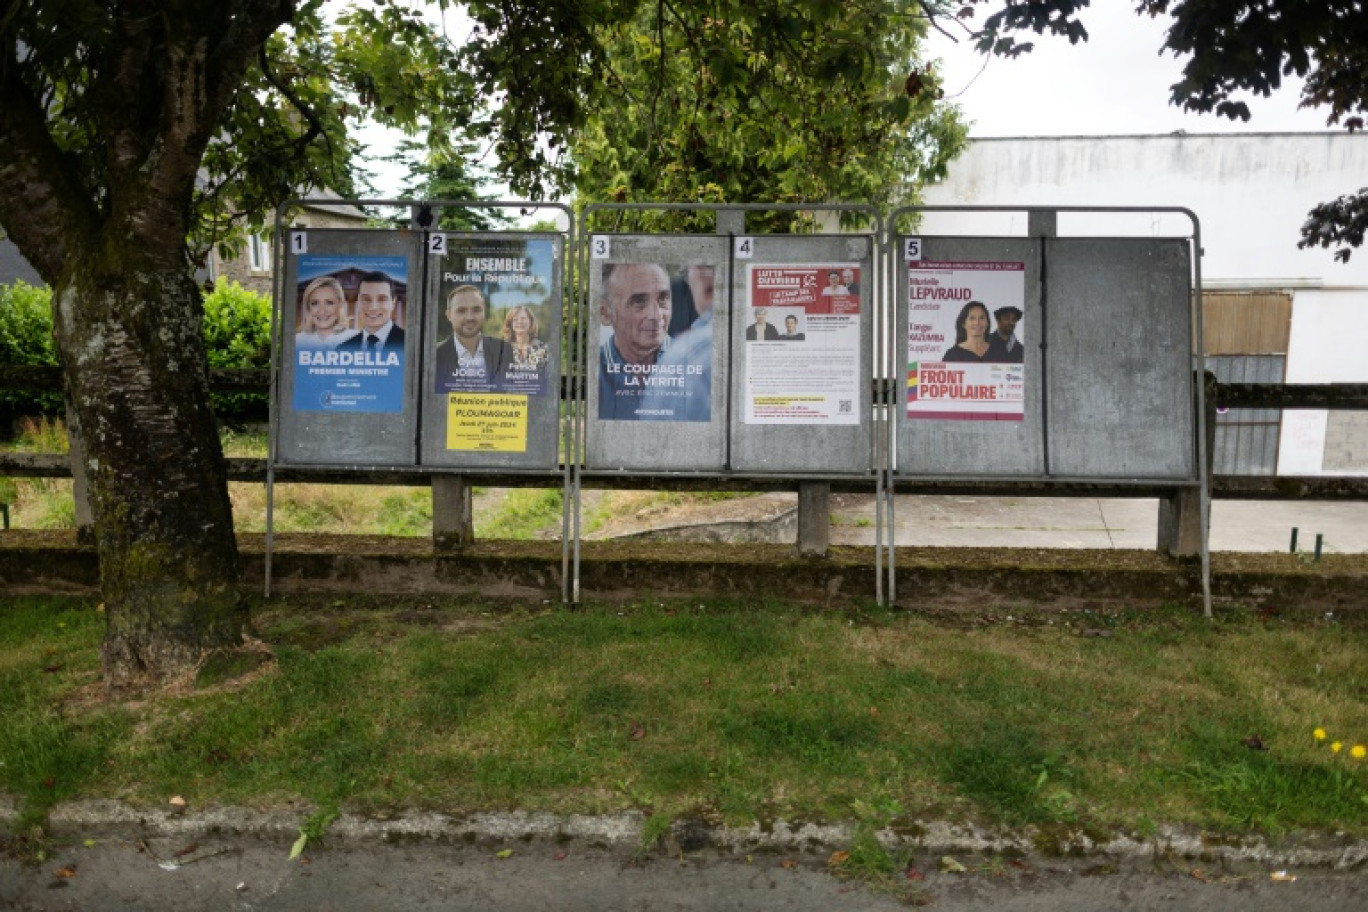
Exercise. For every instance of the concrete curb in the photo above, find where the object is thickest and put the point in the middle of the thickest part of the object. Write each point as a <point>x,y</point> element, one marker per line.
<point>117,819</point>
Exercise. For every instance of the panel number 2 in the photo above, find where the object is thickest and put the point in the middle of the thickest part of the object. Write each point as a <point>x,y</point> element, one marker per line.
<point>437,245</point>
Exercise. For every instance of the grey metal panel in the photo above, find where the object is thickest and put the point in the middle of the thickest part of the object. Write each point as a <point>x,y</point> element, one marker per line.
<point>1247,439</point>
<point>660,445</point>
<point>806,448</point>
<point>543,428</point>
<point>973,448</point>
<point>1119,337</point>
<point>351,437</point>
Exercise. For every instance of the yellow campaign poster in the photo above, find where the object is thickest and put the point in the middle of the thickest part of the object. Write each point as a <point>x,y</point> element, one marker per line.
<point>487,422</point>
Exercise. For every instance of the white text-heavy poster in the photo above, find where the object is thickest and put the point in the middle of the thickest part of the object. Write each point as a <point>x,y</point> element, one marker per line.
<point>801,333</point>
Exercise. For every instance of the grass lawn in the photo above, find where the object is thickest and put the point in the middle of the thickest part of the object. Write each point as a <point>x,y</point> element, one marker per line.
<point>1104,721</point>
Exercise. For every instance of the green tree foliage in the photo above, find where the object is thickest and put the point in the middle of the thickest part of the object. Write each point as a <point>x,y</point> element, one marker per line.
<point>446,175</point>
<point>1232,49</point>
<point>26,338</point>
<point>765,101</point>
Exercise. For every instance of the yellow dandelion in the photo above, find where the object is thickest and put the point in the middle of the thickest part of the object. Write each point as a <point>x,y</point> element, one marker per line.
<point>1358,751</point>
<point>1319,734</point>
<point>1335,747</point>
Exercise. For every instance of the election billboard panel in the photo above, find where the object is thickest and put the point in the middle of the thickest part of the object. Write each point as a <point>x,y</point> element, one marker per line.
<point>347,326</point>
<point>656,352</point>
<point>491,388</point>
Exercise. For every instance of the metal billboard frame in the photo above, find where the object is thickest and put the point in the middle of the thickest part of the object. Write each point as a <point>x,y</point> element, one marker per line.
<point>1196,359</point>
<point>730,223</point>
<point>421,221</point>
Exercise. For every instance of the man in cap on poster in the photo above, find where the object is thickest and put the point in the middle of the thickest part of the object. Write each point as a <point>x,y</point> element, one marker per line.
<point>1003,345</point>
<point>636,305</point>
<point>470,360</point>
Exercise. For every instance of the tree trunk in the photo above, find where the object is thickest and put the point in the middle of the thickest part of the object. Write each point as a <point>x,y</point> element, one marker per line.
<point>128,324</point>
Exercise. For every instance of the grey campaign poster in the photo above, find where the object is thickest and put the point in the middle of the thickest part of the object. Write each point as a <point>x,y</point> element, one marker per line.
<point>655,348</point>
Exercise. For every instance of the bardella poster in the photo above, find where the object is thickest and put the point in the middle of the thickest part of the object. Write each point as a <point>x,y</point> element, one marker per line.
<point>349,348</point>
<point>965,341</point>
<point>802,339</point>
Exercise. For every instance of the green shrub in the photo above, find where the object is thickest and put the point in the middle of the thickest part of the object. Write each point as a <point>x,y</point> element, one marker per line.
<point>237,334</point>
<point>26,339</point>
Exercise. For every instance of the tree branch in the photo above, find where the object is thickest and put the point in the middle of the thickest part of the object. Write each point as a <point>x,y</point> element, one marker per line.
<point>42,204</point>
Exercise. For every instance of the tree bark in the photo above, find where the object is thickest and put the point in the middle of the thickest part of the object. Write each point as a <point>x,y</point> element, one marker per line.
<point>130,334</point>
<point>105,224</point>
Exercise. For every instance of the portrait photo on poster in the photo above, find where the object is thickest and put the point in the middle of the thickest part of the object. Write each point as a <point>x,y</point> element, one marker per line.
<point>498,316</point>
<point>349,333</point>
<point>803,359</point>
<point>655,352</point>
<point>965,341</point>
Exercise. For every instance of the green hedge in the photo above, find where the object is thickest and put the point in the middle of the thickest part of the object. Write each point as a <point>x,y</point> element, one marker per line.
<point>237,333</point>
<point>26,339</point>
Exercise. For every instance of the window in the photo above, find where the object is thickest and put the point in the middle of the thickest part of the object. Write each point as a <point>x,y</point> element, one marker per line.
<point>259,251</point>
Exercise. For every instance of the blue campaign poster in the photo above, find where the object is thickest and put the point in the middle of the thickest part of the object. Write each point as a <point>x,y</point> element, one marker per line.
<point>349,351</point>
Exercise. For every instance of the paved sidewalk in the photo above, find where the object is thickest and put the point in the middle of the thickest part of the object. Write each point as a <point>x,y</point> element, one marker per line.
<point>1099,523</point>
<point>242,873</point>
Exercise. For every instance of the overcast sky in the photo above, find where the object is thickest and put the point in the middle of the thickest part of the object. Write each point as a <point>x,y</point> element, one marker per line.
<point>1114,83</point>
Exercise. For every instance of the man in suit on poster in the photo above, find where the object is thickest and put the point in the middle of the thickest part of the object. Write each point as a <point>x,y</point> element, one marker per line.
<point>470,360</point>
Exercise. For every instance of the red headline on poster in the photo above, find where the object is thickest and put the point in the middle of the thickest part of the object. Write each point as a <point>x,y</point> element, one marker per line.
<point>949,384</point>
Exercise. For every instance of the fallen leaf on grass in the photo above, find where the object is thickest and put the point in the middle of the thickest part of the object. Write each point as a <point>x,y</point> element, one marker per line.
<point>838,858</point>
<point>187,850</point>
<point>788,864</point>
<point>914,874</point>
<point>177,802</point>
<point>1282,877</point>
<point>52,669</point>
<point>559,856</point>
<point>1254,742</point>
<point>638,731</point>
<point>65,872</point>
<point>950,866</point>
<point>1019,865</point>
<point>505,853</point>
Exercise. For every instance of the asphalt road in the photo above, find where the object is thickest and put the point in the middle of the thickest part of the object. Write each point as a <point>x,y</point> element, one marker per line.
<point>242,874</point>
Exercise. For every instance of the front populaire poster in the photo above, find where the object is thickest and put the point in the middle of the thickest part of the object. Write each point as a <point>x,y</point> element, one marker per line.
<point>966,341</point>
<point>349,343</point>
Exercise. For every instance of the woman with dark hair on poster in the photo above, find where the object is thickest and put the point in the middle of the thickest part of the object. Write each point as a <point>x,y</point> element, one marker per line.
<point>971,334</point>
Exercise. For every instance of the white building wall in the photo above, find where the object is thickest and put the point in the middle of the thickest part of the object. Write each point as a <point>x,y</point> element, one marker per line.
<point>1251,193</point>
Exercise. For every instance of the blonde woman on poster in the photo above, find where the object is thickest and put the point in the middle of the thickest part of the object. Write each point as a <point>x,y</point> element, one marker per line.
<point>324,317</point>
<point>520,332</point>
